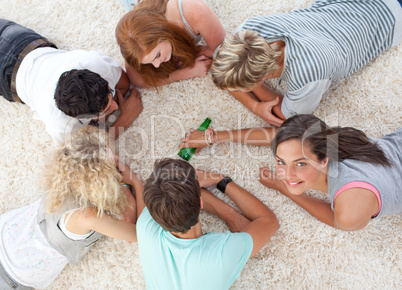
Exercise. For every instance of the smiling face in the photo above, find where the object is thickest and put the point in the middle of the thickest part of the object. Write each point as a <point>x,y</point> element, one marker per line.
<point>161,53</point>
<point>299,168</point>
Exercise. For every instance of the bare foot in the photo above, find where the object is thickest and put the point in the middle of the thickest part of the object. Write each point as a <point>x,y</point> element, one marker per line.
<point>270,179</point>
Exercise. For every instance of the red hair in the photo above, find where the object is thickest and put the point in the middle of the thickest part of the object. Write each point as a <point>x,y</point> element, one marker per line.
<point>141,30</point>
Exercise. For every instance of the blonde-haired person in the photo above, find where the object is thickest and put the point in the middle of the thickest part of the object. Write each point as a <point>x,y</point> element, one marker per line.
<point>308,49</point>
<point>83,200</point>
<point>159,41</point>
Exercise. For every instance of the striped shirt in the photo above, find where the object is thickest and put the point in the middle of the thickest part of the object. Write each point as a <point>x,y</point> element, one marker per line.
<point>326,42</point>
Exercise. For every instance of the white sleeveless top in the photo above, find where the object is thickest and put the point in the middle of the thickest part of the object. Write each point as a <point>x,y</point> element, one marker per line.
<point>63,222</point>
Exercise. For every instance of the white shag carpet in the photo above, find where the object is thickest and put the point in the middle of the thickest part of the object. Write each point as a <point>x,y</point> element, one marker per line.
<point>304,253</point>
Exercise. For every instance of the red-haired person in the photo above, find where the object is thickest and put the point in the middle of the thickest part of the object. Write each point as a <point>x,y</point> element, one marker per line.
<point>159,41</point>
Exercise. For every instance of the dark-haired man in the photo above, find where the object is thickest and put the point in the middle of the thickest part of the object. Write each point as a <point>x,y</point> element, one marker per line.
<point>174,252</point>
<point>30,69</point>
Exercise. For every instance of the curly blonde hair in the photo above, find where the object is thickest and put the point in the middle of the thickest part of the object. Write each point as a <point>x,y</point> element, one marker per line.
<point>83,172</point>
<point>243,60</point>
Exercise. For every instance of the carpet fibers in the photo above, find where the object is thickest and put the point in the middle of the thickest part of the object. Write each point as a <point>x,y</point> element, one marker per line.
<point>304,253</point>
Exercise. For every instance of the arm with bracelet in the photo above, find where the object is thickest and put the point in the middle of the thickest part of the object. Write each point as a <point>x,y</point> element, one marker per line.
<point>252,136</point>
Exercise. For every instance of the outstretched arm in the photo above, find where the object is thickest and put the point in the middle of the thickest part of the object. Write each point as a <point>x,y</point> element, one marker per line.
<point>252,136</point>
<point>352,210</point>
<point>318,208</point>
<point>265,110</point>
<point>86,220</point>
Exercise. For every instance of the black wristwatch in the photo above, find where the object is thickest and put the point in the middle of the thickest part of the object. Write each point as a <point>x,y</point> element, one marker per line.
<point>222,184</point>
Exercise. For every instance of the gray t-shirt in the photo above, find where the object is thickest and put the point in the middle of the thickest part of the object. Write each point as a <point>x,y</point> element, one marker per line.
<point>326,42</point>
<point>387,180</point>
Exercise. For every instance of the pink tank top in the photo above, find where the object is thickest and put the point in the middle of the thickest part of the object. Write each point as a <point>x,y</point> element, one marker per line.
<point>364,185</point>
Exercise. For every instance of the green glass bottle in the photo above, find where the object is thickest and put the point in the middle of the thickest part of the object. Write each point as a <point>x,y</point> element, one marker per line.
<point>186,153</point>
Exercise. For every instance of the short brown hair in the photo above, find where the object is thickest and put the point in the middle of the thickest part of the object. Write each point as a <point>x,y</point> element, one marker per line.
<point>172,195</point>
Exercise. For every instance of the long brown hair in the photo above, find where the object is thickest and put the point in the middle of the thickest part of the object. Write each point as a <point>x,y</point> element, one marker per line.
<point>336,143</point>
<point>141,30</point>
<point>158,6</point>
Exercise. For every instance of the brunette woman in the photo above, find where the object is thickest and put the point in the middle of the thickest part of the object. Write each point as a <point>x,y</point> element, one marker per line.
<point>362,175</point>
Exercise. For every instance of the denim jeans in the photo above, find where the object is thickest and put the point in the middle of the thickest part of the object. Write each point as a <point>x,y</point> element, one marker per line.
<point>13,39</point>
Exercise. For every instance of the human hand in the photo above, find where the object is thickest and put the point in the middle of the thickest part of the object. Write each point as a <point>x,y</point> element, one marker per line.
<point>128,176</point>
<point>270,179</point>
<point>131,107</point>
<point>206,178</point>
<point>193,139</point>
<point>201,66</point>
<point>264,110</point>
<point>205,50</point>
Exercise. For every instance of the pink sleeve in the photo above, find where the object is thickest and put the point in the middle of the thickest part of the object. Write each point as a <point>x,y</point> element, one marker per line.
<point>364,185</point>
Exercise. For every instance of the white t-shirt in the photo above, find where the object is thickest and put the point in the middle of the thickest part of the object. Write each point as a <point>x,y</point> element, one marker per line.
<point>37,79</point>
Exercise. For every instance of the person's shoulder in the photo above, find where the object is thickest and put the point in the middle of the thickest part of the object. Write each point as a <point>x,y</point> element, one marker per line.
<point>228,237</point>
<point>194,7</point>
<point>246,237</point>
<point>229,246</point>
<point>144,217</point>
<point>149,232</point>
<point>145,222</point>
<point>87,54</point>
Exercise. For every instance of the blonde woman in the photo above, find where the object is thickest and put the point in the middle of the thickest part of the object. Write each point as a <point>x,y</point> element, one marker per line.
<point>84,199</point>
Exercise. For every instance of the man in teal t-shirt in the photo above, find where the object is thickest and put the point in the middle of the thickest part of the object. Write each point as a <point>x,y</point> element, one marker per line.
<point>174,252</point>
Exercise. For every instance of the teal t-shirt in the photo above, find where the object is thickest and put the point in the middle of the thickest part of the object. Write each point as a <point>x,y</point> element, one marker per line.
<point>212,261</point>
